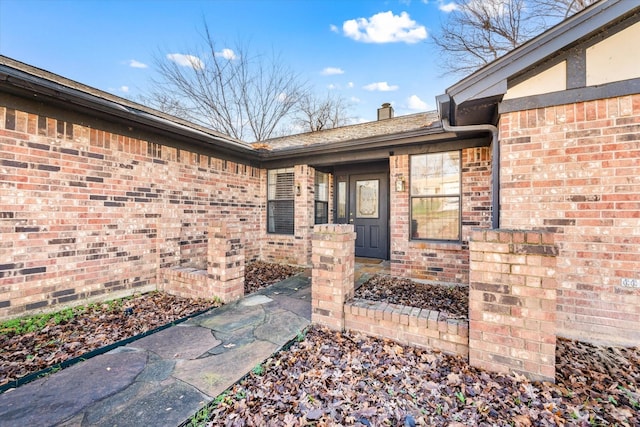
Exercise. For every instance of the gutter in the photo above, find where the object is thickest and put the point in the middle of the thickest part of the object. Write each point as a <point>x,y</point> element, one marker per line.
<point>495,163</point>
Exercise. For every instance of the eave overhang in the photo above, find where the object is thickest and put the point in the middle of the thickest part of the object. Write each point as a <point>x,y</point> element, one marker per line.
<point>116,109</point>
<point>475,99</point>
<point>42,87</point>
<point>424,140</point>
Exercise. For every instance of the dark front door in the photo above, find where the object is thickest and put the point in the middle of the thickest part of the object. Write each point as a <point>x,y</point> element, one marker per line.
<point>368,211</point>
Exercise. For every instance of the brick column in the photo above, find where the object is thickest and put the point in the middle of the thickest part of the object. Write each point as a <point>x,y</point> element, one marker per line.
<point>332,277</point>
<point>512,302</point>
<point>225,261</point>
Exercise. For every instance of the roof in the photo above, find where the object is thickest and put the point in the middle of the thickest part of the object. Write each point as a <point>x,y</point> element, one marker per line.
<point>482,90</point>
<point>349,142</point>
<point>390,126</point>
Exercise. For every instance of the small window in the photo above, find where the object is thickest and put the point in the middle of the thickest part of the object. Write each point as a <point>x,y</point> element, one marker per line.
<point>280,201</point>
<point>321,198</point>
<point>342,201</point>
<point>435,196</point>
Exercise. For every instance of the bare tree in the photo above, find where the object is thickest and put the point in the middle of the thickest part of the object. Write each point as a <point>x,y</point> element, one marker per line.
<point>563,9</point>
<point>314,113</point>
<point>233,91</point>
<point>479,31</point>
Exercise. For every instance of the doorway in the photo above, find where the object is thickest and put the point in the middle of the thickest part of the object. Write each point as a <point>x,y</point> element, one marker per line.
<point>368,212</point>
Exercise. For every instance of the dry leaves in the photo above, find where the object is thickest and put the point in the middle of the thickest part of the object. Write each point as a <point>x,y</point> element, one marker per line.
<point>260,274</point>
<point>333,378</point>
<point>98,325</point>
<point>453,300</point>
<point>104,324</point>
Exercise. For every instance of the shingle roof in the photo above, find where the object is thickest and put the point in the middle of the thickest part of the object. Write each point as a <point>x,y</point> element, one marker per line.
<point>366,130</point>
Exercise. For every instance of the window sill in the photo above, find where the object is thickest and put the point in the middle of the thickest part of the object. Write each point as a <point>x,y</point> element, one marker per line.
<point>424,244</point>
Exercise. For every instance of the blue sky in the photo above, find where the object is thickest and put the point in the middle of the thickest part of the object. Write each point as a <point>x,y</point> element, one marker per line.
<point>367,51</point>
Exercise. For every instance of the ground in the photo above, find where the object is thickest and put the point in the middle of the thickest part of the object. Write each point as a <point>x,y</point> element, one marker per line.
<point>30,345</point>
<point>331,378</point>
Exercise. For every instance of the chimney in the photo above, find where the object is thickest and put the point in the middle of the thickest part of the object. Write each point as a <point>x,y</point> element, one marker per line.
<point>385,112</point>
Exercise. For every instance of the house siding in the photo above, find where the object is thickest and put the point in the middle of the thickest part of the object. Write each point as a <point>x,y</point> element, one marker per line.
<point>435,261</point>
<point>88,210</point>
<point>575,170</point>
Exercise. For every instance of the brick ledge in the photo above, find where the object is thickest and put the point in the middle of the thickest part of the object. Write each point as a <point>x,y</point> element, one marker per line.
<point>409,325</point>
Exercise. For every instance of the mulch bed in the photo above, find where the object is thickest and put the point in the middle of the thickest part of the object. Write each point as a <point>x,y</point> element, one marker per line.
<point>332,378</point>
<point>453,300</point>
<point>102,324</point>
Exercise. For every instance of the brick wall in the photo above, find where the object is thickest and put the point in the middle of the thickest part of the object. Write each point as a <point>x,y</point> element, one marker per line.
<point>408,325</point>
<point>575,170</point>
<point>444,262</point>
<point>90,207</point>
<point>512,302</point>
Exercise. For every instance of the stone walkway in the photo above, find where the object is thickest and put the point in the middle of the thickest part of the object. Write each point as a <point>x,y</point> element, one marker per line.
<point>164,378</point>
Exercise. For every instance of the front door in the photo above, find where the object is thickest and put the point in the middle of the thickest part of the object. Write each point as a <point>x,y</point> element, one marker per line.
<point>368,211</point>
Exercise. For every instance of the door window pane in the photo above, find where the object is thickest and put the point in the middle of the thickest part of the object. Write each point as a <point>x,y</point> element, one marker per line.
<point>367,200</point>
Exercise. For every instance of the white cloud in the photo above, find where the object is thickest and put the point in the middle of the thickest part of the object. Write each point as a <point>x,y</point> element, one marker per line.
<point>282,97</point>
<point>331,71</point>
<point>334,28</point>
<point>331,86</point>
<point>124,89</point>
<point>381,86</point>
<point>186,60</point>
<point>385,27</point>
<point>415,103</point>
<point>227,54</point>
<point>447,7</point>
<point>350,85</point>
<point>136,64</point>
<point>355,100</point>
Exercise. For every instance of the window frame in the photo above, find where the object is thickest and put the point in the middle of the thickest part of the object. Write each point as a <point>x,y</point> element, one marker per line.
<point>443,196</point>
<point>277,203</point>
<point>320,202</point>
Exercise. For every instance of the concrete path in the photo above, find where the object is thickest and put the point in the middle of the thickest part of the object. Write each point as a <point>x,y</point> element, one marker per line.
<point>164,378</point>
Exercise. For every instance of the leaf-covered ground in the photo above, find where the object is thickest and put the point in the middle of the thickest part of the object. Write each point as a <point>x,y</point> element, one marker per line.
<point>260,274</point>
<point>78,331</point>
<point>333,378</point>
<point>453,300</point>
<point>74,332</point>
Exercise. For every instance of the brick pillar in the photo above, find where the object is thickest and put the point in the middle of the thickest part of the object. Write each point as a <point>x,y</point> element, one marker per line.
<point>225,262</point>
<point>512,302</point>
<point>332,279</point>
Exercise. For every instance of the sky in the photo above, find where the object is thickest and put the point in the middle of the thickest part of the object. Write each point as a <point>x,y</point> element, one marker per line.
<point>367,51</point>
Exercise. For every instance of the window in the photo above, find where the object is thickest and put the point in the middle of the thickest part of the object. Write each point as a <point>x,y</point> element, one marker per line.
<point>341,200</point>
<point>280,201</point>
<point>321,198</point>
<point>435,196</point>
